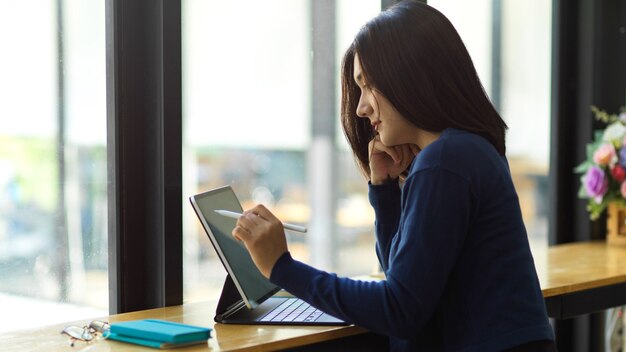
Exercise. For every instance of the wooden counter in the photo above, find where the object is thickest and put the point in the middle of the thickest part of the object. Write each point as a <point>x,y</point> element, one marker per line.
<point>224,337</point>
<point>581,278</point>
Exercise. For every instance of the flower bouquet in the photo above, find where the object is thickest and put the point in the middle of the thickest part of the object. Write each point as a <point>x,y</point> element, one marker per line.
<point>603,178</point>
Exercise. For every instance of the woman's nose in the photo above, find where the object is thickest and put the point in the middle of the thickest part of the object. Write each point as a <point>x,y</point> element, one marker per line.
<point>363,109</point>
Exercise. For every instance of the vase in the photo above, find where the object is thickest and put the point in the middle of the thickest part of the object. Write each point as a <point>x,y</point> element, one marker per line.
<point>616,224</point>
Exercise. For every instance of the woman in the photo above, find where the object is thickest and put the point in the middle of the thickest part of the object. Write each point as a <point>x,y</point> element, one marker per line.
<point>450,237</point>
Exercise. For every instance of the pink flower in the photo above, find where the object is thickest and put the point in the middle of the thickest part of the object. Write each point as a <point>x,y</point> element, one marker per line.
<point>622,189</point>
<point>605,154</point>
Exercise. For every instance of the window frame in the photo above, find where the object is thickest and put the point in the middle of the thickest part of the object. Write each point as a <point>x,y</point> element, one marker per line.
<point>144,153</point>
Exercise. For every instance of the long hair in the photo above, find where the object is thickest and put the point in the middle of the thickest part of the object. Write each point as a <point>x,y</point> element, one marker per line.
<point>412,55</point>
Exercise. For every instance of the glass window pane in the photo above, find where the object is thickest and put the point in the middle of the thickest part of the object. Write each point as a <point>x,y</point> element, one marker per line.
<point>253,68</point>
<point>53,213</point>
<point>515,71</point>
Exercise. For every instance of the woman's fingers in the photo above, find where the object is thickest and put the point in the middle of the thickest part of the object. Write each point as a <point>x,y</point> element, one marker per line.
<point>388,162</point>
<point>407,155</point>
<point>263,236</point>
<point>241,234</point>
<point>264,213</point>
<point>247,222</point>
<point>401,154</point>
<point>376,146</point>
<point>250,215</point>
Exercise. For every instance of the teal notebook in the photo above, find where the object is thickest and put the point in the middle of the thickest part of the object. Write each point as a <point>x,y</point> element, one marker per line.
<point>158,333</point>
<point>150,343</point>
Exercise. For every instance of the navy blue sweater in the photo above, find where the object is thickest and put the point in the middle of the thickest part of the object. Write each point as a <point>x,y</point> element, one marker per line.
<point>459,272</point>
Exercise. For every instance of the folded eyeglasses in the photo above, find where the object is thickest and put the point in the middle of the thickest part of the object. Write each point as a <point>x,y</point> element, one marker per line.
<point>87,333</point>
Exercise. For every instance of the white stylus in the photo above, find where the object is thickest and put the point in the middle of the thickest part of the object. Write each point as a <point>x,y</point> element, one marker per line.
<point>235,215</point>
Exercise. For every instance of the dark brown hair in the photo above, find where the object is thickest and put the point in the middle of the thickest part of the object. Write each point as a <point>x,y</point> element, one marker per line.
<point>412,55</point>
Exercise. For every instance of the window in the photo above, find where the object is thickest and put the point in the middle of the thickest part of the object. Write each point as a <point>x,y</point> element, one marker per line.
<point>249,104</point>
<point>53,213</point>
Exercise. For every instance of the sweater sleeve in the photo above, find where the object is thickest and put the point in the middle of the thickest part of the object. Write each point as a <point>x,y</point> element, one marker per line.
<point>432,229</point>
<point>385,199</point>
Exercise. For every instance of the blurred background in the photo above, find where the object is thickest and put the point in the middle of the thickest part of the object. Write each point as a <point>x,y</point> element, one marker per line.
<point>260,113</point>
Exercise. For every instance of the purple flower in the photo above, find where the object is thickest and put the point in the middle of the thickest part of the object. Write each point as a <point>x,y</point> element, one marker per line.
<point>595,183</point>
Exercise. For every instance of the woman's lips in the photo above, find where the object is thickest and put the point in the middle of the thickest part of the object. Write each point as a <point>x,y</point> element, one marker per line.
<point>375,125</point>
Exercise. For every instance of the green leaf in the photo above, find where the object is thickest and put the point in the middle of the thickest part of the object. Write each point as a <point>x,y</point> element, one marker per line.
<point>583,167</point>
<point>582,192</point>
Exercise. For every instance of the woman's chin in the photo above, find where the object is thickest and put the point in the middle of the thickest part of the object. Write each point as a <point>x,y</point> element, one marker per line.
<point>386,141</point>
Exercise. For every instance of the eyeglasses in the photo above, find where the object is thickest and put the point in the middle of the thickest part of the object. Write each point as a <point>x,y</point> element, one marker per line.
<point>87,333</point>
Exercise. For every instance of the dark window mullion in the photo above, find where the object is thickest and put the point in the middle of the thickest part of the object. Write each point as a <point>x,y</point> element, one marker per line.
<point>144,153</point>
<point>172,151</point>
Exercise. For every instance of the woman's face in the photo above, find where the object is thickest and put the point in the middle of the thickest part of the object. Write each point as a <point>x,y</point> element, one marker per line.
<point>392,127</point>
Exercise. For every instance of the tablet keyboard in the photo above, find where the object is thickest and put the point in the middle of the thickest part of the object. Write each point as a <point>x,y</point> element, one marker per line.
<point>293,310</point>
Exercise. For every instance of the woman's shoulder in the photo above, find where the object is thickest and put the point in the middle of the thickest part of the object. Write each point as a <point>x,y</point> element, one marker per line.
<point>461,152</point>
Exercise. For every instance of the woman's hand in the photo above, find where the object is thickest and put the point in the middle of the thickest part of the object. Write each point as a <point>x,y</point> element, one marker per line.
<point>264,237</point>
<point>389,162</point>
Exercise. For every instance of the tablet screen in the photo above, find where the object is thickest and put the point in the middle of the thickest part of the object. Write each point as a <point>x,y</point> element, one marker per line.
<point>251,284</point>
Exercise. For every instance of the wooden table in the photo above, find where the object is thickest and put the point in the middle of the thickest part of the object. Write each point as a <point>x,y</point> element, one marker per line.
<point>224,337</point>
<point>581,278</point>
<point>576,279</point>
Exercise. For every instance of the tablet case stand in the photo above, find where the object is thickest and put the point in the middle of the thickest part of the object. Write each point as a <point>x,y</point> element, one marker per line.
<point>230,301</point>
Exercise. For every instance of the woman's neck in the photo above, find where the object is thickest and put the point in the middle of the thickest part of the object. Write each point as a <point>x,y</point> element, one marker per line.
<point>425,138</point>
